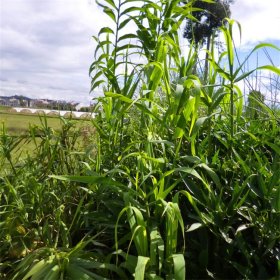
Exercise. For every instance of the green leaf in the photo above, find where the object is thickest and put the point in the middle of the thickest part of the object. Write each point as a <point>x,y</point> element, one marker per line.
<point>194,226</point>
<point>106,30</point>
<point>145,110</point>
<point>77,272</point>
<point>137,226</point>
<point>119,96</point>
<point>127,36</point>
<point>263,45</point>
<point>199,122</point>
<point>110,13</point>
<point>130,9</point>
<point>96,84</point>
<point>111,2</point>
<point>156,254</point>
<point>275,203</point>
<point>179,266</point>
<point>126,47</point>
<point>42,266</point>
<point>141,267</point>
<point>271,68</point>
<point>90,264</point>
<point>243,76</point>
<point>242,227</point>
<point>124,23</point>
<point>87,179</point>
<point>193,172</point>
<point>212,174</point>
<point>53,273</point>
<point>192,202</point>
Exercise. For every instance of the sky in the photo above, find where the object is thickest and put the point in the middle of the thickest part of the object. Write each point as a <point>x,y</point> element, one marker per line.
<point>46,46</point>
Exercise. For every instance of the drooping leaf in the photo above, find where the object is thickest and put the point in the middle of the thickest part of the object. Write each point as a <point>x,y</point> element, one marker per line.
<point>141,267</point>
<point>179,266</point>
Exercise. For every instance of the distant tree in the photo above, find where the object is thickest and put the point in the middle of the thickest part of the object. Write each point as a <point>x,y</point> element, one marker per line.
<point>21,102</point>
<point>85,109</point>
<point>209,19</point>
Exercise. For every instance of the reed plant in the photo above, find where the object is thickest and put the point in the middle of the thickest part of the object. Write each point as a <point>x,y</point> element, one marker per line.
<point>179,184</point>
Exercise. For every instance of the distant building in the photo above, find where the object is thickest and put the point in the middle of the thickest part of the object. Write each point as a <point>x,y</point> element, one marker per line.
<point>25,102</point>
<point>14,102</point>
<point>2,102</point>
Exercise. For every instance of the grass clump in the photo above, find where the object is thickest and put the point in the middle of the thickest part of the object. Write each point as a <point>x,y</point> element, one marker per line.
<point>179,181</point>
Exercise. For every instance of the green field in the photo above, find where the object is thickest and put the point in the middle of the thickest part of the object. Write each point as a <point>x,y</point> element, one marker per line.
<point>27,130</point>
<point>17,123</point>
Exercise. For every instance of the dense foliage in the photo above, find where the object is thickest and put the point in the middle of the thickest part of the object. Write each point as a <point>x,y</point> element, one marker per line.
<point>176,180</point>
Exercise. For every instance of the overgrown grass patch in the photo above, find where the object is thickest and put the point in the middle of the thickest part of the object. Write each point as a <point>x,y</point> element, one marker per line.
<point>178,182</point>
<point>24,133</point>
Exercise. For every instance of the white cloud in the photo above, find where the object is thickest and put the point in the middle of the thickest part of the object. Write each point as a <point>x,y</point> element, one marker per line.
<point>46,47</point>
<point>259,19</point>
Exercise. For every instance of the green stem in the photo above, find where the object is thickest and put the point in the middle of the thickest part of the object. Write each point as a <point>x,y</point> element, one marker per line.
<point>206,59</point>
<point>231,112</point>
<point>117,36</point>
<point>209,134</point>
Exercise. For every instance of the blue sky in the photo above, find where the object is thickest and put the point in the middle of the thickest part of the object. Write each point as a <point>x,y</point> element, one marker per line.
<point>46,47</point>
<point>260,21</point>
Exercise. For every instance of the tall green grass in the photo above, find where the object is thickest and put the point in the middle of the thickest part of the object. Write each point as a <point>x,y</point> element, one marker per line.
<point>178,183</point>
